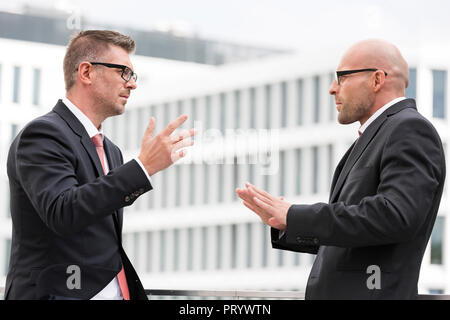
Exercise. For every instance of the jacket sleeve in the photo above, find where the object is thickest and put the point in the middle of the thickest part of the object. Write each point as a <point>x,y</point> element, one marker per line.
<point>412,172</point>
<point>46,169</point>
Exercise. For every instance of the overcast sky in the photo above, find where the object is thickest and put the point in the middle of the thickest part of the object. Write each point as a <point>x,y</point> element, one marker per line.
<point>297,24</point>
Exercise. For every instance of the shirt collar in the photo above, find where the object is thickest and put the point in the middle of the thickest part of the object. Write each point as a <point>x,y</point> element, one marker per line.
<point>377,113</point>
<point>85,121</point>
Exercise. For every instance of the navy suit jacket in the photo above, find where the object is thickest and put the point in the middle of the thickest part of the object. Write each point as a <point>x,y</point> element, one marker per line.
<point>384,199</point>
<point>66,212</point>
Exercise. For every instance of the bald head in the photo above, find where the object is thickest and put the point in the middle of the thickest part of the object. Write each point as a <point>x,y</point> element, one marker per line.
<point>376,53</point>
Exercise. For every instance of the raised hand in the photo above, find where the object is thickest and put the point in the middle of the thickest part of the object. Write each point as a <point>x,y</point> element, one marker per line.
<point>161,151</point>
<point>271,210</point>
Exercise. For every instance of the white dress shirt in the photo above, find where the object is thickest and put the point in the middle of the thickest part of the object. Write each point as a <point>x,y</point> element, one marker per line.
<point>377,113</point>
<point>112,290</point>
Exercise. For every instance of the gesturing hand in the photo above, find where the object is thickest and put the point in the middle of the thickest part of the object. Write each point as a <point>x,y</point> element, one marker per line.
<point>271,210</point>
<point>159,152</point>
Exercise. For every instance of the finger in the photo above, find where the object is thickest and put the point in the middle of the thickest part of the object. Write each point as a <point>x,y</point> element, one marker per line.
<point>150,128</point>
<point>244,195</point>
<point>264,206</point>
<point>262,192</point>
<point>264,217</point>
<point>253,193</point>
<point>174,125</point>
<point>177,155</point>
<point>183,144</point>
<point>183,134</point>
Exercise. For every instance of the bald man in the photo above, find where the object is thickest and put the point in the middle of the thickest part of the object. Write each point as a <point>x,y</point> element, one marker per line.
<point>371,236</point>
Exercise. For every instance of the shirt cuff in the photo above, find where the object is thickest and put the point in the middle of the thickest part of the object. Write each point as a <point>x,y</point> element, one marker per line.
<point>143,169</point>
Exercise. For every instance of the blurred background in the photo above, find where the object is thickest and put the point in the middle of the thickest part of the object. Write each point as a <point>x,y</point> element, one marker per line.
<point>253,76</point>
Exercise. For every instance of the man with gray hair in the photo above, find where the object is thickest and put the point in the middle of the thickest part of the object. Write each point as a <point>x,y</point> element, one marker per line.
<point>371,236</point>
<point>68,182</point>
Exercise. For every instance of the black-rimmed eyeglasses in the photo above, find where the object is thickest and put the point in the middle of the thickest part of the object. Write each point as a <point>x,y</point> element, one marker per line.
<point>339,74</point>
<point>127,73</point>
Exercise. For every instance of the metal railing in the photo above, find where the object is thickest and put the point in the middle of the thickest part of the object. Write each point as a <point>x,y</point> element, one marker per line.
<point>154,294</point>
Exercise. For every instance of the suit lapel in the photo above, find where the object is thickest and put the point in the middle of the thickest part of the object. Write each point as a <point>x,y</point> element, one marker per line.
<point>338,170</point>
<point>362,143</point>
<point>78,128</point>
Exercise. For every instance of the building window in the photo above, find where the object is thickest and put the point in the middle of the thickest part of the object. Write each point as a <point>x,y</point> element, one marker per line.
<point>206,168</point>
<point>149,251</point>
<point>283,105</point>
<point>36,86</point>
<point>192,183</point>
<point>439,93</point>
<point>299,102</point>
<point>204,245</point>
<point>332,114</point>
<point>268,95</point>
<point>207,113</point>
<point>219,247</point>
<point>194,111</point>
<point>233,246</point>
<point>412,88</point>
<point>190,249</point>
<point>223,113</point>
<point>14,131</point>
<point>16,84</point>
<point>436,241</point>
<point>162,250</point>
<point>177,185</point>
<point>237,108</point>
<point>330,163</point>
<point>316,99</point>
<point>7,254</point>
<point>282,173</point>
<point>298,171</point>
<point>264,246</point>
<point>315,172</point>
<point>249,245</point>
<point>221,168</point>
<point>235,177</point>
<point>252,116</point>
<point>176,249</point>
<point>164,189</point>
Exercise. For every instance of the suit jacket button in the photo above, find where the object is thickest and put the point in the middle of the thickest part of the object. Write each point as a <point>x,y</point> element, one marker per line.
<point>141,190</point>
<point>127,199</point>
<point>316,241</point>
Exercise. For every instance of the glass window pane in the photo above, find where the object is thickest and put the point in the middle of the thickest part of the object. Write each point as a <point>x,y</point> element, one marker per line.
<point>283,105</point>
<point>316,99</point>
<point>299,102</point>
<point>412,88</point>
<point>436,241</point>
<point>439,93</point>
<point>16,84</point>
<point>36,86</point>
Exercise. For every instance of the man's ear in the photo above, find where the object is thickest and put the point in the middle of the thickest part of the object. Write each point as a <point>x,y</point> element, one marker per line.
<point>85,73</point>
<point>378,79</point>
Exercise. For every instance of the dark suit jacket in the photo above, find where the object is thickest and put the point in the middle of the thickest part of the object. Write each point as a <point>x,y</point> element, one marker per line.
<point>66,212</point>
<point>384,199</point>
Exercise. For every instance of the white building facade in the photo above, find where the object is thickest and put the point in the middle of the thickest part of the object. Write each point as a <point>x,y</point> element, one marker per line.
<point>269,121</point>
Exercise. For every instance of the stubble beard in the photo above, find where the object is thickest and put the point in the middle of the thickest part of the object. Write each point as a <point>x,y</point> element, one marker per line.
<point>354,111</point>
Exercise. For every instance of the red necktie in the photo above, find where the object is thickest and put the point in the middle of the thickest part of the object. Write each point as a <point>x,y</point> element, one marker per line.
<point>98,143</point>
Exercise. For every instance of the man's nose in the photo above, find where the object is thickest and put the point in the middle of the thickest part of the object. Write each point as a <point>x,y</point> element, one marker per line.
<point>333,87</point>
<point>131,84</point>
